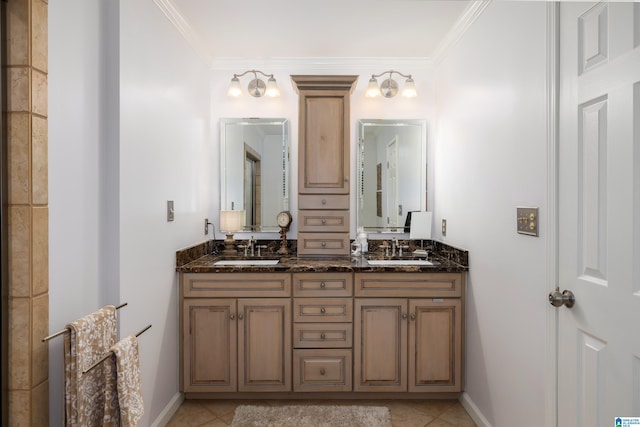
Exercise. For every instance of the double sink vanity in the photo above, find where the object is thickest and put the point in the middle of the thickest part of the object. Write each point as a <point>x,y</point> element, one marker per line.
<point>321,322</point>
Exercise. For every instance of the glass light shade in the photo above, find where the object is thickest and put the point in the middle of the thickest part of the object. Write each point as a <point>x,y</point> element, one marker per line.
<point>231,221</point>
<point>235,89</point>
<point>272,88</point>
<point>409,90</point>
<point>373,90</point>
<point>420,225</point>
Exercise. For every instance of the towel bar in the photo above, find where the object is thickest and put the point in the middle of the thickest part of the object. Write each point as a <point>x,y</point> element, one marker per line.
<point>109,353</point>
<point>66,329</point>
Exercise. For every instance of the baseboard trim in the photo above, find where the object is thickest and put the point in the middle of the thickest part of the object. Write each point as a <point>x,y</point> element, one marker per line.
<point>168,411</point>
<point>473,411</point>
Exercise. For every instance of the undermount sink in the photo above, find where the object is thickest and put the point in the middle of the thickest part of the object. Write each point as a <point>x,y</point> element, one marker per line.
<point>247,262</point>
<point>399,262</point>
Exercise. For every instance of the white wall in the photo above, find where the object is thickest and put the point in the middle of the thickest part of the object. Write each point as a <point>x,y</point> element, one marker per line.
<point>490,157</point>
<point>129,129</point>
<point>83,267</point>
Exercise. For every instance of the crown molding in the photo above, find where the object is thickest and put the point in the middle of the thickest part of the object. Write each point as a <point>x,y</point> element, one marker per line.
<point>468,17</point>
<point>184,28</point>
<point>321,63</point>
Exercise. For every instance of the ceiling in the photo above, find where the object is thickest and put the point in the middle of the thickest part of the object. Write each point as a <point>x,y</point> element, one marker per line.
<point>320,28</point>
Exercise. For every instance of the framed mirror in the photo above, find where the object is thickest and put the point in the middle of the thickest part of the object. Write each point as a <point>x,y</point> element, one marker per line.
<point>254,170</point>
<point>392,173</point>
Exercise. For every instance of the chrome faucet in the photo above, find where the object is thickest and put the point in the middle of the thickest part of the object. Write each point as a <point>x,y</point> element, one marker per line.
<point>251,243</point>
<point>394,246</point>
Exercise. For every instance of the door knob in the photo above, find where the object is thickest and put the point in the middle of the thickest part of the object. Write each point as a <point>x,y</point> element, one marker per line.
<point>566,297</point>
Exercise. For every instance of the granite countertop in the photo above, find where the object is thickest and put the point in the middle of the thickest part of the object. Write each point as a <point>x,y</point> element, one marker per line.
<point>202,260</point>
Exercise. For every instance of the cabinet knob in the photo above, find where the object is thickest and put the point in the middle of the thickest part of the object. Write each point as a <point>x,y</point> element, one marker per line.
<point>413,316</point>
<point>404,315</point>
<point>322,336</point>
<point>322,310</point>
<point>232,316</point>
<point>240,316</point>
<point>323,285</point>
<point>324,244</point>
<point>324,221</point>
<point>324,201</point>
<point>322,371</point>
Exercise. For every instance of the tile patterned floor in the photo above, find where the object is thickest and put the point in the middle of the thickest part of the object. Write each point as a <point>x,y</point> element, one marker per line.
<point>404,413</point>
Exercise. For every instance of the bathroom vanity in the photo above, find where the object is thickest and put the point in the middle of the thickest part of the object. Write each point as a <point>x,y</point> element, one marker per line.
<point>322,323</point>
<point>322,326</point>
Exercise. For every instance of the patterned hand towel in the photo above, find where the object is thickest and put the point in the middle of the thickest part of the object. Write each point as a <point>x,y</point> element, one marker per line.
<point>88,340</point>
<point>129,388</point>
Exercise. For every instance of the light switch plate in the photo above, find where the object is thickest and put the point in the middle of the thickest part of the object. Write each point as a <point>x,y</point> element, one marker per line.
<point>169,210</point>
<point>527,220</point>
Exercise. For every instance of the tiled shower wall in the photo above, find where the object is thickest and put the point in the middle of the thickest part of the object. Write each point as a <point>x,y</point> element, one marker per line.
<point>25,117</point>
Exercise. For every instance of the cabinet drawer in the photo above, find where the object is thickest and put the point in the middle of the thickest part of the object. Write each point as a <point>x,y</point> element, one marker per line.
<point>438,285</point>
<point>236,285</point>
<point>323,201</point>
<point>322,310</point>
<point>324,221</point>
<point>322,335</point>
<point>322,284</point>
<point>322,370</point>
<point>323,243</point>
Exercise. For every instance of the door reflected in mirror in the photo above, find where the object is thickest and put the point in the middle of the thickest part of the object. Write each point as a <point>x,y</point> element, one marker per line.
<point>392,173</point>
<point>254,170</point>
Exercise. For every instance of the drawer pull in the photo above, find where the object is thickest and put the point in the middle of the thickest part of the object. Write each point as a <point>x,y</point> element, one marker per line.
<point>322,336</point>
<point>240,316</point>
<point>324,201</point>
<point>324,221</point>
<point>322,310</point>
<point>231,316</point>
<point>323,285</point>
<point>413,316</point>
<point>322,371</point>
<point>404,315</point>
<point>324,244</point>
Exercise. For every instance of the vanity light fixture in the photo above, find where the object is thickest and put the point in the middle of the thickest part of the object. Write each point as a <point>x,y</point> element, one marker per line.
<point>257,86</point>
<point>230,222</point>
<point>389,87</point>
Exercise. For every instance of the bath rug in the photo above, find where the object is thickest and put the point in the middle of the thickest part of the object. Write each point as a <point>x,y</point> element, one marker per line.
<point>311,416</point>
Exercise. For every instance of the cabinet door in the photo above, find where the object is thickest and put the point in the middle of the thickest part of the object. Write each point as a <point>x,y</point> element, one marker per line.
<point>324,142</point>
<point>264,344</point>
<point>435,345</point>
<point>210,357</point>
<point>380,344</point>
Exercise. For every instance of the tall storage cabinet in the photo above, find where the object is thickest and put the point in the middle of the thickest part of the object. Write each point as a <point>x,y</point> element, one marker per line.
<point>323,164</point>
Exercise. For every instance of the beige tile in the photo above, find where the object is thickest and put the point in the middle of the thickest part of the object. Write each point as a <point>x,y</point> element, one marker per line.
<point>39,350</point>
<point>39,93</point>
<point>19,222</point>
<point>220,408</point>
<point>39,29</point>
<point>19,344</point>
<point>433,407</point>
<point>17,21</point>
<point>18,90</point>
<point>457,416</point>
<point>40,250</point>
<point>403,414</point>
<point>39,161</point>
<point>20,408</point>
<point>440,423</point>
<point>18,158</point>
<point>191,413</point>
<point>40,399</point>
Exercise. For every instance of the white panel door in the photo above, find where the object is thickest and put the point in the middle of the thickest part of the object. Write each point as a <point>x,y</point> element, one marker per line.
<point>599,226</point>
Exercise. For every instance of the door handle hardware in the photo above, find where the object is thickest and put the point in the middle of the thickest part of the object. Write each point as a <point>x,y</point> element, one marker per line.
<point>413,316</point>
<point>232,316</point>
<point>240,316</point>
<point>566,297</point>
